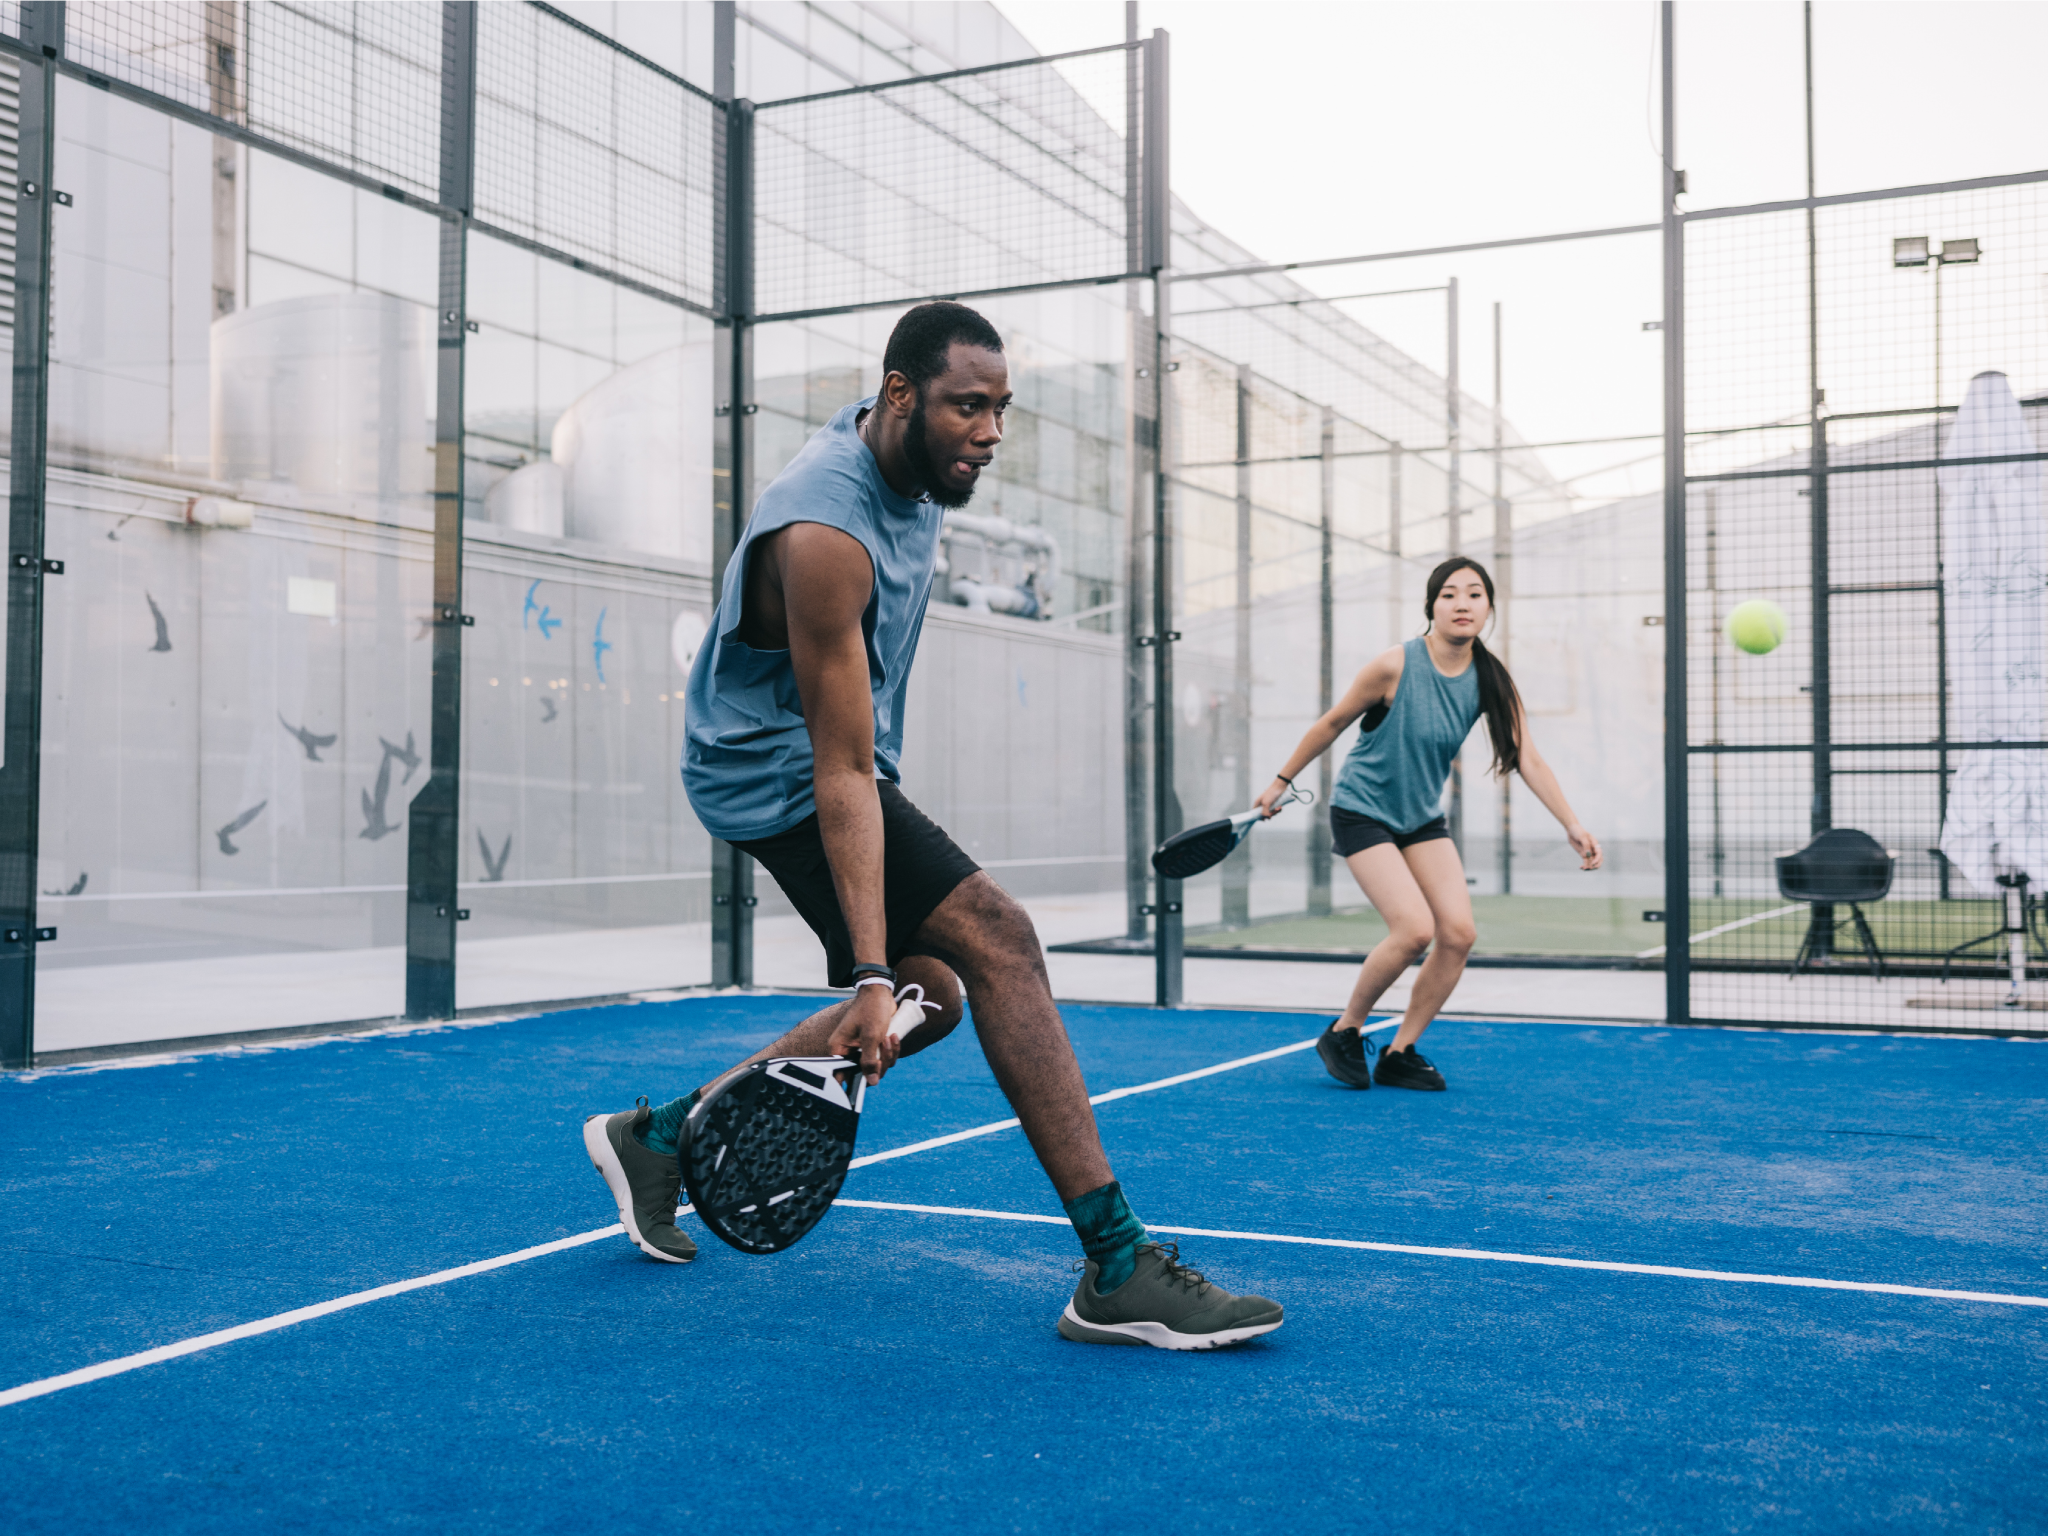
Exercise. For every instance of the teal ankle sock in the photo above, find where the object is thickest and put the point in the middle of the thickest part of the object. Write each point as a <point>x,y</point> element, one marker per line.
<point>664,1128</point>
<point>1110,1233</point>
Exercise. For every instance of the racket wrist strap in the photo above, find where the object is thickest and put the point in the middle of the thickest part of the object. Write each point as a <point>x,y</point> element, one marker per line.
<point>1284,780</point>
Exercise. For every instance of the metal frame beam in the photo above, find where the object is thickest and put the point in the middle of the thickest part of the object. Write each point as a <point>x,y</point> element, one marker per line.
<point>42,26</point>
<point>434,821</point>
<point>732,872</point>
<point>1677,763</point>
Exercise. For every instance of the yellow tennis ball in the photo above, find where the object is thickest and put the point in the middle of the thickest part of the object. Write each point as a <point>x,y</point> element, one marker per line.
<point>1756,626</point>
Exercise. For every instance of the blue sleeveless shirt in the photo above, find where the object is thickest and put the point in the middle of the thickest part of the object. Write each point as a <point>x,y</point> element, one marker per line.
<point>746,753</point>
<point>1397,772</point>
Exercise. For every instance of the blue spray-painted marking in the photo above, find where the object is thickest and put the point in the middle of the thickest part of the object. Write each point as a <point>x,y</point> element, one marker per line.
<point>598,644</point>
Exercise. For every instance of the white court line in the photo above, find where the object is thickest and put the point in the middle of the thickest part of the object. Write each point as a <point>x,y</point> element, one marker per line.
<point>135,1362</point>
<point>1738,1277</point>
<point>1715,933</point>
<point>108,1368</point>
<point>1101,1098</point>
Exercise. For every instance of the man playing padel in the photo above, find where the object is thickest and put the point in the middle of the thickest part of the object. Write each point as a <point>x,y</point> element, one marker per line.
<point>794,727</point>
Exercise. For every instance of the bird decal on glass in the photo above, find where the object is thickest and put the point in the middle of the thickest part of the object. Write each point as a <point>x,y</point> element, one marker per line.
<point>226,833</point>
<point>163,630</point>
<point>494,869</point>
<point>375,823</point>
<point>536,615</point>
<point>404,754</point>
<point>308,740</point>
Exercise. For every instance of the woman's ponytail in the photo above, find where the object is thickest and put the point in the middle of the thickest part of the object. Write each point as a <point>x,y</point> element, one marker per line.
<point>1501,703</point>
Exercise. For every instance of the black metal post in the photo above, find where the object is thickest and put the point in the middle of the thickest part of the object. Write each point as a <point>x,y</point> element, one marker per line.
<point>1143,438</point>
<point>1504,586</point>
<point>1453,516</point>
<point>1158,237</point>
<point>1820,937</point>
<point>732,872</point>
<point>42,28</point>
<point>1319,817</point>
<point>1677,827</point>
<point>433,833</point>
<point>1396,602</point>
<point>1236,873</point>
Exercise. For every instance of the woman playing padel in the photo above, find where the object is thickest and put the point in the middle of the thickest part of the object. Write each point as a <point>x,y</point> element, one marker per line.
<point>1420,700</point>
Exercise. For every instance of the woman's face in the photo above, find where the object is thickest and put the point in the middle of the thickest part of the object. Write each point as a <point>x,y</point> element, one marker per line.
<point>1461,609</point>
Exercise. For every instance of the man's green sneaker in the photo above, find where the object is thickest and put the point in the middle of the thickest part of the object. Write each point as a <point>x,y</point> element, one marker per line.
<point>645,1184</point>
<point>1167,1305</point>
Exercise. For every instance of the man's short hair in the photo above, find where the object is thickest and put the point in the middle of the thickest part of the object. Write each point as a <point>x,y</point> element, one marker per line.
<point>922,343</point>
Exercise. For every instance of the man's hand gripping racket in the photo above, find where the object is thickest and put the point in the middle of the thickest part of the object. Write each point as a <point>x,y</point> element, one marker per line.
<point>765,1152</point>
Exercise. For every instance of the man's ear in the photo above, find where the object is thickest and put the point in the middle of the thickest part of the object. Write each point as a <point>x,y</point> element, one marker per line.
<point>899,394</point>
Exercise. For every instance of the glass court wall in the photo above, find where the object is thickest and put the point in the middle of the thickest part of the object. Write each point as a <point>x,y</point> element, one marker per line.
<point>281,441</point>
<point>411,368</point>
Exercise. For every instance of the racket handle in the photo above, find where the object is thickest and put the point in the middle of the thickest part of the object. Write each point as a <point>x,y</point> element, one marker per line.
<point>908,1017</point>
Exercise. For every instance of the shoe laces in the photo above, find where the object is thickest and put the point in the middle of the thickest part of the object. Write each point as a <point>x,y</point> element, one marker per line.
<point>1189,1277</point>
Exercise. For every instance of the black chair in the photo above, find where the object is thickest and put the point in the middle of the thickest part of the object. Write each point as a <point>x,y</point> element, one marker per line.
<point>1841,867</point>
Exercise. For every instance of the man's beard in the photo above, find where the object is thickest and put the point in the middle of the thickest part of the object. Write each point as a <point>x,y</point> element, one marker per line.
<point>917,451</point>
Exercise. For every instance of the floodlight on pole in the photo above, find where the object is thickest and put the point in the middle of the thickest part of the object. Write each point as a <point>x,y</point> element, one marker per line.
<point>1918,251</point>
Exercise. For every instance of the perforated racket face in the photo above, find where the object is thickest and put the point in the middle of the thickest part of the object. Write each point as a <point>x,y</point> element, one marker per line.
<point>1188,853</point>
<point>764,1157</point>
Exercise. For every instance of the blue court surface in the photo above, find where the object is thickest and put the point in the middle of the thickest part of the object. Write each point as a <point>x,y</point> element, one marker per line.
<point>898,1370</point>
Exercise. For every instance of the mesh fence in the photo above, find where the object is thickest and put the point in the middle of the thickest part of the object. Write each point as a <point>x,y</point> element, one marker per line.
<point>1866,610</point>
<point>355,85</point>
<point>955,184</point>
<point>584,148</point>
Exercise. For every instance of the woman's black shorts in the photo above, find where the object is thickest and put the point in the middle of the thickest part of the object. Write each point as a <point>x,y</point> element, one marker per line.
<point>921,866</point>
<point>1352,833</point>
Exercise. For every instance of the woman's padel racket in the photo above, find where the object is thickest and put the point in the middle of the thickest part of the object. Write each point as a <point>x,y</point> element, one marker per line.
<point>765,1153</point>
<point>1187,854</point>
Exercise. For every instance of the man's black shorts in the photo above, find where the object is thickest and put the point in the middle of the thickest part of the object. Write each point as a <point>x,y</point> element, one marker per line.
<point>921,866</point>
<point>1352,833</point>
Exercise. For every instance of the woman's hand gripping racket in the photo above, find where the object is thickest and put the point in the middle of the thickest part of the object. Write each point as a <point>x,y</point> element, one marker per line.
<point>765,1152</point>
<point>1188,853</point>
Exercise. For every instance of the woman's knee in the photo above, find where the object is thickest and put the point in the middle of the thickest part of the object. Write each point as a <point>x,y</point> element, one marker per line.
<point>1410,936</point>
<point>1457,935</point>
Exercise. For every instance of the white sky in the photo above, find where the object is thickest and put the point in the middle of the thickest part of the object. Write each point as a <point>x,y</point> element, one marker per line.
<point>1309,129</point>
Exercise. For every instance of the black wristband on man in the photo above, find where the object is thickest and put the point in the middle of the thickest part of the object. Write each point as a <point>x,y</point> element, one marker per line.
<point>878,972</point>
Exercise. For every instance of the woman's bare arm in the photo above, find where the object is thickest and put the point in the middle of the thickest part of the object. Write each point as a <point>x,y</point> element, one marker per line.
<point>1542,780</point>
<point>1375,684</point>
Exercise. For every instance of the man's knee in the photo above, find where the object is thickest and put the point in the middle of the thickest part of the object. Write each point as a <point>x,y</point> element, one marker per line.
<point>997,928</point>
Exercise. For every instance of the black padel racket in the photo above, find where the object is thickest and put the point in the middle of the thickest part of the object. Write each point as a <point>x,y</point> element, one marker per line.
<point>1187,854</point>
<point>765,1154</point>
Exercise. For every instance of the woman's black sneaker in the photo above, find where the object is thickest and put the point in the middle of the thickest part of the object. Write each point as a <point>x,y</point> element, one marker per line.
<point>1408,1069</point>
<point>1343,1053</point>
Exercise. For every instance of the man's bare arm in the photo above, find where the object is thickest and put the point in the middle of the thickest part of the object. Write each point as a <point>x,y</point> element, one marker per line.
<point>826,578</point>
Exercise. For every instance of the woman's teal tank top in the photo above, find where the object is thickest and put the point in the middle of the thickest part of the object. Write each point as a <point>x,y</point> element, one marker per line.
<point>1396,772</point>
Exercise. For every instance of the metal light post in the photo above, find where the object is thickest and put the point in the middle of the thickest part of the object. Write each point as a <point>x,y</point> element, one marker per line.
<point>1918,251</point>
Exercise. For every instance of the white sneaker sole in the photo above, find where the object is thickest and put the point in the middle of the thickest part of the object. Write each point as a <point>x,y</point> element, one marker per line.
<point>613,1172</point>
<point>1158,1335</point>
